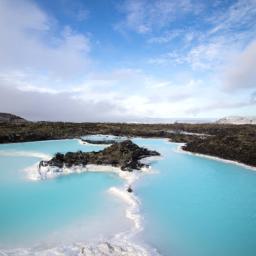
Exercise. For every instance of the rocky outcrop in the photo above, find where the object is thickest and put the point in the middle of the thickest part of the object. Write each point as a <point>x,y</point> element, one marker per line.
<point>125,155</point>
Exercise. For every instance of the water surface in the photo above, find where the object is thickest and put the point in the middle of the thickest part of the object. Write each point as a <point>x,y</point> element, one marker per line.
<point>73,208</point>
<point>191,206</point>
<point>195,206</point>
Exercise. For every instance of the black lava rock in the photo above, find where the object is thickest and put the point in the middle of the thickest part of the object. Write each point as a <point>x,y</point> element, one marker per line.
<point>125,155</point>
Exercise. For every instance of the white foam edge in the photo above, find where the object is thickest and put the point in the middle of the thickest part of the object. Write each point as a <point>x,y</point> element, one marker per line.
<point>112,247</point>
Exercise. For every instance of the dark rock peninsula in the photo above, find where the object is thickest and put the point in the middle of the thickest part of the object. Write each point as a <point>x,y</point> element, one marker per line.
<point>125,155</point>
<point>239,148</point>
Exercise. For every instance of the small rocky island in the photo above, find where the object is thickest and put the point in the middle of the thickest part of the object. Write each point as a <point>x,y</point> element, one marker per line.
<point>125,155</point>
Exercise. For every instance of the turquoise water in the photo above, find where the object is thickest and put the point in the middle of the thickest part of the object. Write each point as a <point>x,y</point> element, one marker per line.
<point>195,206</point>
<point>73,208</point>
<point>191,206</point>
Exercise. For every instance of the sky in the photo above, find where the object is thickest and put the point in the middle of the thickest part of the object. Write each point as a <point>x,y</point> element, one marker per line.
<point>127,60</point>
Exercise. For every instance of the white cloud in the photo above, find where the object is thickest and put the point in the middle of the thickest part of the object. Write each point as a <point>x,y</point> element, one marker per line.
<point>117,91</point>
<point>240,74</point>
<point>245,107</point>
<point>207,56</point>
<point>30,42</point>
<point>108,96</point>
<point>35,105</point>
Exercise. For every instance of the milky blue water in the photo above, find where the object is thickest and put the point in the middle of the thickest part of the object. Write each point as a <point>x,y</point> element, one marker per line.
<point>195,206</point>
<point>192,206</point>
<point>72,208</point>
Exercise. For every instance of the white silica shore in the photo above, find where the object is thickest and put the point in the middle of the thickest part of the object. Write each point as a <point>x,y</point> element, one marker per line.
<point>102,248</point>
<point>132,212</point>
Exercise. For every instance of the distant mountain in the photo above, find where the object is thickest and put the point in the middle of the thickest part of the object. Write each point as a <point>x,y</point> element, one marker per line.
<point>10,118</point>
<point>237,120</point>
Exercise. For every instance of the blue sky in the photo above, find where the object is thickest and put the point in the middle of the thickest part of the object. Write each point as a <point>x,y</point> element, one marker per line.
<point>114,60</point>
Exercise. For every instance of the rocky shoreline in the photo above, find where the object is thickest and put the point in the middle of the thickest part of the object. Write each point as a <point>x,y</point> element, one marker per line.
<point>126,155</point>
<point>227,141</point>
<point>235,148</point>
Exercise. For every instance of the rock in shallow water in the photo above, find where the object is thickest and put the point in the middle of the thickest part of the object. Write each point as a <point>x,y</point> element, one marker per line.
<point>129,189</point>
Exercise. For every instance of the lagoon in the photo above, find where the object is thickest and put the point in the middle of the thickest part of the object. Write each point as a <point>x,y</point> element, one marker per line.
<point>190,206</point>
